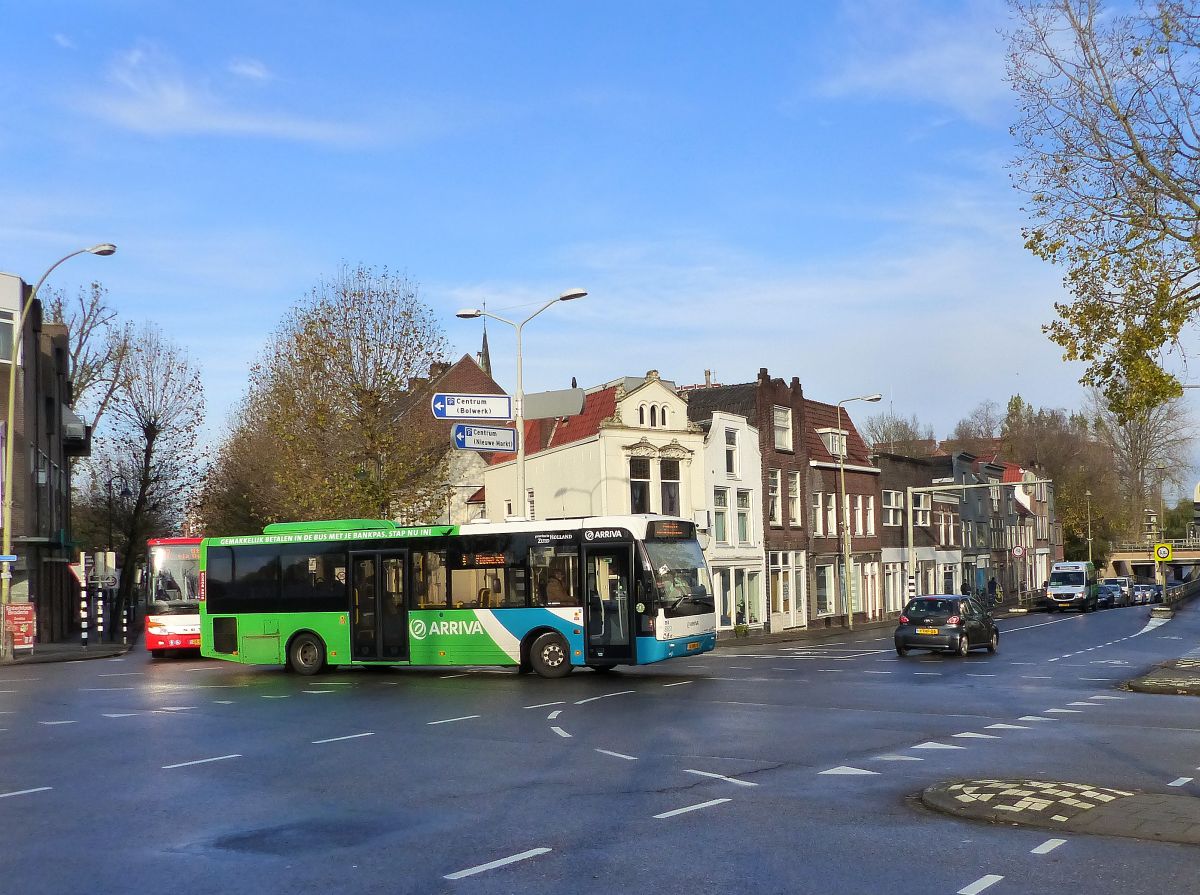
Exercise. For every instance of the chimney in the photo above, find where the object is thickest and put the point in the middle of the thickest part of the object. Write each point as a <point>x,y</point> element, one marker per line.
<point>708,377</point>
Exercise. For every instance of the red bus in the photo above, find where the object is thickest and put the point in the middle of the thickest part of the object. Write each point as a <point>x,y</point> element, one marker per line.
<point>172,595</point>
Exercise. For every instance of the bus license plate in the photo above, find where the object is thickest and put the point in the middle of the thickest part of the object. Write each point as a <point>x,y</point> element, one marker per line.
<point>927,630</point>
<point>695,644</point>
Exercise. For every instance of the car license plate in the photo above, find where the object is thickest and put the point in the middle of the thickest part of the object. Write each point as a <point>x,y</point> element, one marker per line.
<point>695,644</point>
<point>927,630</point>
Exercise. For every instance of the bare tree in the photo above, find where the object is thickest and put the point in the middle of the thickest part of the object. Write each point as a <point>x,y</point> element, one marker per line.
<point>152,442</point>
<point>100,348</point>
<point>893,434</point>
<point>979,431</point>
<point>1109,158</point>
<point>1148,449</point>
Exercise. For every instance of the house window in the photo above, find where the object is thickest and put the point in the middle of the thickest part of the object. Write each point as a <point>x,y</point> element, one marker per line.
<point>858,514</point>
<point>669,473</point>
<point>773,508</point>
<point>782,419</point>
<point>824,590</point>
<point>794,498</point>
<point>653,416</point>
<point>507,508</point>
<point>731,452</point>
<point>743,516</point>
<point>831,515</point>
<point>6,335</point>
<point>893,509</point>
<point>922,510</point>
<point>662,416</point>
<point>871,515</point>
<point>639,485</point>
<point>834,441</point>
<point>721,515</point>
<point>817,518</point>
<point>641,414</point>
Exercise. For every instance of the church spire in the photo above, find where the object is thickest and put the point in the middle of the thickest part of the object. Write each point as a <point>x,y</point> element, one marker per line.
<point>485,358</point>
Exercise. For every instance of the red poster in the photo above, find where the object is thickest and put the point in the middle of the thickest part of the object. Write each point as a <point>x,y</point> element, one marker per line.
<point>21,623</point>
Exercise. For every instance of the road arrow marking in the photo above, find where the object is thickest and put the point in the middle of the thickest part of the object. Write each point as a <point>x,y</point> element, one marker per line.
<point>1006,727</point>
<point>977,736</point>
<point>933,745</point>
<point>851,772</point>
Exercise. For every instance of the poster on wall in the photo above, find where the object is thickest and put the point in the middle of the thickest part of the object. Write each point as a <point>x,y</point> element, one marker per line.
<point>21,623</point>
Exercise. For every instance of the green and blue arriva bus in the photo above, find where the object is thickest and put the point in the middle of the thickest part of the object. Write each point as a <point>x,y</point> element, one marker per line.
<point>545,595</point>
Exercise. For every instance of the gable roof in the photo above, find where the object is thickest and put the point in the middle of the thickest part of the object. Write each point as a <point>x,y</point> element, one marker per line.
<point>741,399</point>
<point>825,416</point>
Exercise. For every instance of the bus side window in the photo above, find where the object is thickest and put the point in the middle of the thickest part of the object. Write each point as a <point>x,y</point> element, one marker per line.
<point>429,579</point>
<point>555,576</point>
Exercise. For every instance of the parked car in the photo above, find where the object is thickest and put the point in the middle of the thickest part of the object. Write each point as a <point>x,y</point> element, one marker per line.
<point>1109,596</point>
<point>946,623</point>
<point>1125,584</point>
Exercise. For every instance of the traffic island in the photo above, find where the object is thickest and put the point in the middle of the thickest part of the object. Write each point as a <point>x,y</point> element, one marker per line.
<point>1179,677</point>
<point>1074,807</point>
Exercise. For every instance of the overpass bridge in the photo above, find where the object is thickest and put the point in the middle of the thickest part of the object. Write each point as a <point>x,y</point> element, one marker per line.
<point>1137,561</point>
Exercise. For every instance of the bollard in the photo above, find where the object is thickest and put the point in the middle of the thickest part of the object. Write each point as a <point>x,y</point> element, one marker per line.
<point>124,626</point>
<point>83,617</point>
<point>100,618</point>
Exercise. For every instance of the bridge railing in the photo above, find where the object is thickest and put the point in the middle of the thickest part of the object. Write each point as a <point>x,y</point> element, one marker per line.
<point>1147,547</point>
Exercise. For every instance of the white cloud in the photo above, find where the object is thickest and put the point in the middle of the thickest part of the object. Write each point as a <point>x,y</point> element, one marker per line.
<point>915,52</point>
<point>250,68</point>
<point>63,41</point>
<point>149,94</point>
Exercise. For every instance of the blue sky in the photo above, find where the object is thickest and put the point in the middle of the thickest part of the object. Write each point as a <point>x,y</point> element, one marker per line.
<point>818,188</point>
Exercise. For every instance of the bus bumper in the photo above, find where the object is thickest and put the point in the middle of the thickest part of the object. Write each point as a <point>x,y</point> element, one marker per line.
<point>172,641</point>
<point>651,650</point>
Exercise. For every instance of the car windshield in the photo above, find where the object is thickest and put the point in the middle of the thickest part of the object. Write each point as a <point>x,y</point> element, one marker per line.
<point>1066,579</point>
<point>932,607</point>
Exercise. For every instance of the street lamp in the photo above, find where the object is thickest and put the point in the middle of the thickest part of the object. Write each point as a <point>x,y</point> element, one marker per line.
<point>519,397</point>
<point>125,494</point>
<point>843,446</point>
<point>18,343</point>
<point>1088,495</point>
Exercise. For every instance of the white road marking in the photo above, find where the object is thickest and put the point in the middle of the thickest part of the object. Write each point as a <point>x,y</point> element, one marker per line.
<point>120,715</point>
<point>562,733</point>
<point>680,683</point>
<point>184,764</point>
<point>223,701</point>
<point>542,705</point>
<point>604,696</point>
<point>973,674</point>
<point>54,723</point>
<point>765,705</point>
<point>1180,781</point>
<point>1006,727</point>
<point>897,758</point>
<point>274,697</point>
<point>932,745</point>
<point>554,714</point>
<point>1081,703</point>
<point>845,771</point>
<point>617,755</point>
<point>17,680</point>
<point>934,673</point>
<point>451,720</point>
<point>719,777</point>
<point>353,736</point>
<point>318,691</point>
<point>103,689</point>
<point>1108,697</point>
<point>980,884</point>
<point>976,736</point>
<point>446,677</point>
<point>24,792</point>
<point>667,814</point>
<point>1062,711</point>
<point>1100,679</point>
<point>1036,677</point>
<point>175,708</point>
<point>121,674</point>
<point>877,672</point>
<point>1048,846</point>
<point>492,865</point>
<point>1035,718</point>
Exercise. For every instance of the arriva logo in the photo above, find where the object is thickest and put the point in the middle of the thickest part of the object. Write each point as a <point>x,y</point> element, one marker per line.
<point>420,630</point>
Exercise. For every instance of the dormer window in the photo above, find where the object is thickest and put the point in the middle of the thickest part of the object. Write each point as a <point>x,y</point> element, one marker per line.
<point>834,441</point>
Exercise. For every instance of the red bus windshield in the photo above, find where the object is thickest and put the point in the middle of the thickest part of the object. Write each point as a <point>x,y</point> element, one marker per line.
<point>174,577</point>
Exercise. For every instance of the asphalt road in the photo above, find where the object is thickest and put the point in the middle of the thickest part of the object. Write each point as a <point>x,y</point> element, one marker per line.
<point>790,768</point>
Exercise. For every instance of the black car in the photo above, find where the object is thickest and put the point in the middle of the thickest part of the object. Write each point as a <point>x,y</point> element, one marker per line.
<point>1108,596</point>
<point>946,623</point>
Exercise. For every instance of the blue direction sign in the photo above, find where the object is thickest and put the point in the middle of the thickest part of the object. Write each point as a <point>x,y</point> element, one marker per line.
<point>484,438</point>
<point>472,407</point>
<point>8,557</point>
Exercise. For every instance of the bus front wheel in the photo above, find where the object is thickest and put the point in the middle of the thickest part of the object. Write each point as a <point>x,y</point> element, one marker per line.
<point>550,655</point>
<point>306,655</point>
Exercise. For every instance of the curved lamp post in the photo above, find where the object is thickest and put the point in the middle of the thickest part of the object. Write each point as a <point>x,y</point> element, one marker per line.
<point>18,343</point>
<point>519,397</point>
<point>844,446</point>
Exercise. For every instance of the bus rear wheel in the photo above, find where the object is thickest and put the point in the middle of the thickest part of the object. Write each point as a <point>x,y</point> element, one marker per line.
<point>306,654</point>
<point>550,656</point>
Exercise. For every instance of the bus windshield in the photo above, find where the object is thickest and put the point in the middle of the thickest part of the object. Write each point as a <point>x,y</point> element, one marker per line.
<point>1066,579</point>
<point>681,577</point>
<point>174,579</point>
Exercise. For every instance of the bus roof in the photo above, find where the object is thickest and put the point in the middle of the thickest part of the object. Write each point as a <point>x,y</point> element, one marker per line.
<point>168,542</point>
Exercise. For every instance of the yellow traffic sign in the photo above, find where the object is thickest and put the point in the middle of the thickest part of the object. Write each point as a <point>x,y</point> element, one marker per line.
<point>1163,552</point>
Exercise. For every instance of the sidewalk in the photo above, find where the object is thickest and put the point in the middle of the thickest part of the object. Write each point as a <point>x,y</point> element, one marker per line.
<point>67,652</point>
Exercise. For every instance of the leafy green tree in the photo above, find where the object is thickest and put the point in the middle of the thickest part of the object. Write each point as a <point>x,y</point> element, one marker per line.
<point>1109,158</point>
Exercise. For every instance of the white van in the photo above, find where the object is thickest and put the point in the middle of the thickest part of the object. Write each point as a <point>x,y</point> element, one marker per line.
<point>1072,585</point>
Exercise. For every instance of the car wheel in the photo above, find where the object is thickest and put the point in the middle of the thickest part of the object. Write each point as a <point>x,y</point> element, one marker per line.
<point>901,650</point>
<point>306,654</point>
<point>964,645</point>
<point>550,655</point>
<point>994,642</point>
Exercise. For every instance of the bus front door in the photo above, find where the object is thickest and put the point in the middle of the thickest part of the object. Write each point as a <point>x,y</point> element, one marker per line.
<point>379,615</point>
<point>607,585</point>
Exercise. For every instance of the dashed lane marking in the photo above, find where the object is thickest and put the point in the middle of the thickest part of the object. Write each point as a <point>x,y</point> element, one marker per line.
<point>722,777</point>
<point>24,792</point>
<point>977,736</point>
<point>1181,781</point>
<point>1035,718</point>
<point>604,696</point>
<point>492,865</point>
<point>984,882</point>
<point>676,684</point>
<point>898,758</point>
<point>1006,727</point>
<point>849,772</point>
<point>1048,846</point>
<point>451,720</point>
<point>55,723</point>
<point>184,764</point>
<point>120,714</point>
<point>554,714</point>
<point>935,745</point>
<point>617,754</point>
<point>1062,711</point>
<point>678,811</point>
<point>562,733</point>
<point>352,736</point>
<point>542,705</point>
